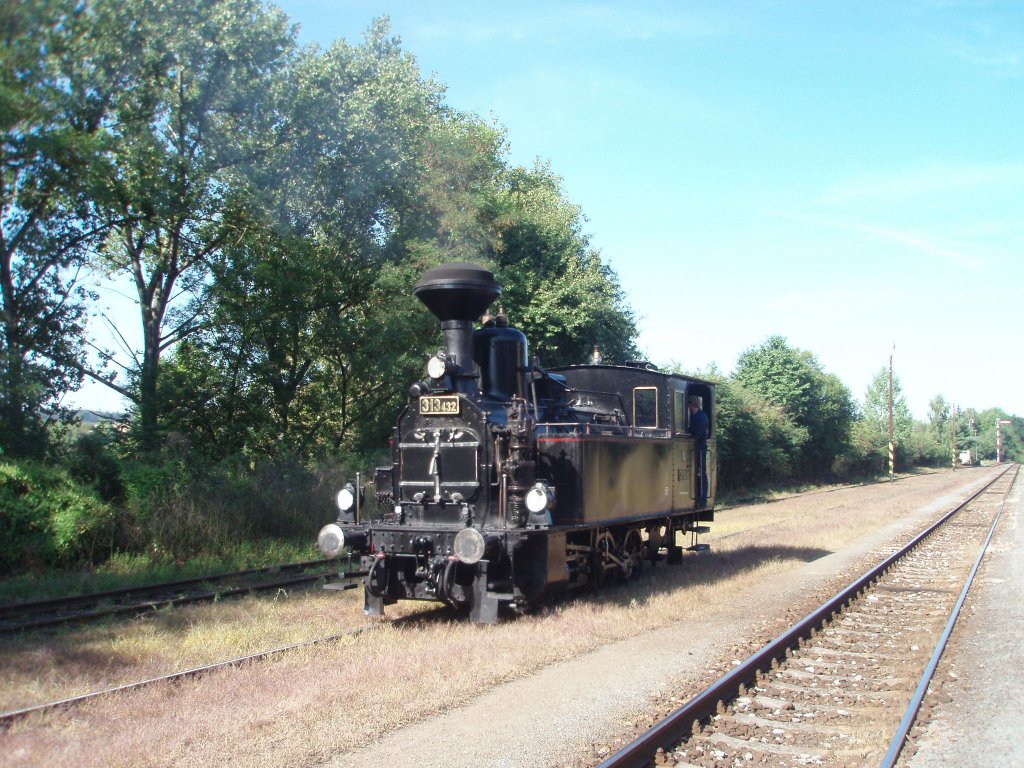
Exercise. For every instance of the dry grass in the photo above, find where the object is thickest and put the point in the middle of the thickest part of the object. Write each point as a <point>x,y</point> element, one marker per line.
<point>305,706</point>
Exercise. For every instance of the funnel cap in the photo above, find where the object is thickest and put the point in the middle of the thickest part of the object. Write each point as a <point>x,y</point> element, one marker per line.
<point>457,290</point>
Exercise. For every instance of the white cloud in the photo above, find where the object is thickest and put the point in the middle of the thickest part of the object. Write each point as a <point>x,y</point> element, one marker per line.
<point>927,181</point>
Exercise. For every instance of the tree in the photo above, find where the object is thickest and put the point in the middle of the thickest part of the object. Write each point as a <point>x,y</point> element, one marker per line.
<point>938,418</point>
<point>1009,434</point>
<point>557,289</point>
<point>49,122</point>
<point>306,332</point>
<point>316,333</point>
<point>757,440</point>
<point>461,166</point>
<point>934,441</point>
<point>781,374</point>
<point>194,101</point>
<point>794,381</point>
<point>873,425</point>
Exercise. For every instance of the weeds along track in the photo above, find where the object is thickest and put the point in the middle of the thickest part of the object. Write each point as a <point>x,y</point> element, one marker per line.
<point>37,614</point>
<point>842,687</point>
<point>7,718</point>
<point>750,500</point>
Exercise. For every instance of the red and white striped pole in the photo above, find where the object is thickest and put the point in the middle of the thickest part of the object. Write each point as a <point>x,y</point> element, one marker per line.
<point>954,437</point>
<point>999,446</point>
<point>892,444</point>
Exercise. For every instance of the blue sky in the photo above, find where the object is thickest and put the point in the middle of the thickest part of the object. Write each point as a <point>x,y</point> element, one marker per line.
<point>847,175</point>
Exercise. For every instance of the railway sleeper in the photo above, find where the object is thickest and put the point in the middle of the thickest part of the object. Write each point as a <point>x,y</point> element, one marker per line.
<point>796,726</point>
<point>847,697</point>
<point>732,745</point>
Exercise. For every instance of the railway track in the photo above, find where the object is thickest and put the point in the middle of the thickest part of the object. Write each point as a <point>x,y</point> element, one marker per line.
<point>843,686</point>
<point>8,718</point>
<point>37,614</point>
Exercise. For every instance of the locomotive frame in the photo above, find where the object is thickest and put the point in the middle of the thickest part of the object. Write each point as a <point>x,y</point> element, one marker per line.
<point>510,484</point>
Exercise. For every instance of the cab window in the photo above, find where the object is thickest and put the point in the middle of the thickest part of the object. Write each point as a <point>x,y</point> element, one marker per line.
<point>704,395</point>
<point>645,407</point>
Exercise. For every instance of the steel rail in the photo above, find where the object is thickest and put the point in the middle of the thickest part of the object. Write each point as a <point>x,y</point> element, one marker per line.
<point>899,740</point>
<point>56,603</point>
<point>158,597</point>
<point>7,718</point>
<point>161,602</point>
<point>676,726</point>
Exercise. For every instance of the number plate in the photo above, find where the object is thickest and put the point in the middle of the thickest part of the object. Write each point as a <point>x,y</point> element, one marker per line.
<point>439,405</point>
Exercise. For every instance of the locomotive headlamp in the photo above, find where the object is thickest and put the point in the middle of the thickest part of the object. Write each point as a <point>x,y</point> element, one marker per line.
<point>436,367</point>
<point>469,546</point>
<point>539,498</point>
<point>346,498</point>
<point>331,540</point>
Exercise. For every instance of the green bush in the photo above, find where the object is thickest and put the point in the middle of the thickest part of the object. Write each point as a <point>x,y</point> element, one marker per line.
<point>92,461</point>
<point>179,509</point>
<point>49,519</point>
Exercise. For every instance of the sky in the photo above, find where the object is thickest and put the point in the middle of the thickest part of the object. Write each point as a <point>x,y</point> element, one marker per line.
<point>847,175</point>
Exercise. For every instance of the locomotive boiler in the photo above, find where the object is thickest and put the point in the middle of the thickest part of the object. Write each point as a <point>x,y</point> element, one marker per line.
<point>510,484</point>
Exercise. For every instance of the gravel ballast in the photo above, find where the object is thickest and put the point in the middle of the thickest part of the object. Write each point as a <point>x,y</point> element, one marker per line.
<point>977,721</point>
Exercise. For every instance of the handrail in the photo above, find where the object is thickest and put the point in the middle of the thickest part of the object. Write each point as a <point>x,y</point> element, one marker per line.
<point>547,429</point>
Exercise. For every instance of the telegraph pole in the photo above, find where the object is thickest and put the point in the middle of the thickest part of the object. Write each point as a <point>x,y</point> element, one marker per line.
<point>954,437</point>
<point>892,445</point>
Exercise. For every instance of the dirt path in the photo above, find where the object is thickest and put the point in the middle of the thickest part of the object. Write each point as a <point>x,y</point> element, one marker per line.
<point>975,717</point>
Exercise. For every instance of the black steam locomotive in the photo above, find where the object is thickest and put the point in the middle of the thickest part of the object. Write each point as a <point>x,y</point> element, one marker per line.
<point>509,484</point>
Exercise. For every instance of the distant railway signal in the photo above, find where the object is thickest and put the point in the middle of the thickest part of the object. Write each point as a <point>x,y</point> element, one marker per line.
<point>999,446</point>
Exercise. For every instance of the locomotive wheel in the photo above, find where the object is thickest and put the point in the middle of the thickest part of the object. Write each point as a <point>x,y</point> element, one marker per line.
<point>632,554</point>
<point>606,561</point>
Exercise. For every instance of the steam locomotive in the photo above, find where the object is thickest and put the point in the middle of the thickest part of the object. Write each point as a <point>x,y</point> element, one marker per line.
<point>510,484</point>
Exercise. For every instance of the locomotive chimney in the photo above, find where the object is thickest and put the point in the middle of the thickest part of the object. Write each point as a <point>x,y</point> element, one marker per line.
<point>458,293</point>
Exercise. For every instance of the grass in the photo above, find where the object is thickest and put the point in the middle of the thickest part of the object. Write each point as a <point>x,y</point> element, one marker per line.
<point>124,570</point>
<point>775,492</point>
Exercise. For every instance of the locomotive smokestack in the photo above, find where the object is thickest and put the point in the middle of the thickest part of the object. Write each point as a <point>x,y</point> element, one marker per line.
<point>457,294</point>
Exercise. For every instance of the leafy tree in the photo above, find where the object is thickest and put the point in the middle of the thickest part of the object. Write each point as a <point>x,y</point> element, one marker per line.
<point>756,440</point>
<point>307,331</point>
<point>316,334</point>
<point>461,166</point>
<point>782,374</point>
<point>830,425</point>
<point>924,450</point>
<point>193,102</point>
<point>968,432</point>
<point>49,131</point>
<point>873,426</point>
<point>1009,434</point>
<point>557,289</point>
<point>819,403</point>
<point>938,418</point>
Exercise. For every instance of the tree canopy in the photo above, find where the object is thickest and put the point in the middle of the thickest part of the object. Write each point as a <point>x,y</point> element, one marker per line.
<point>271,206</point>
<point>816,405</point>
<point>50,137</point>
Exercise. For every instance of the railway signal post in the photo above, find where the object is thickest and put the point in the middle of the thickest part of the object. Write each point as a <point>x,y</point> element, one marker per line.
<point>999,444</point>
